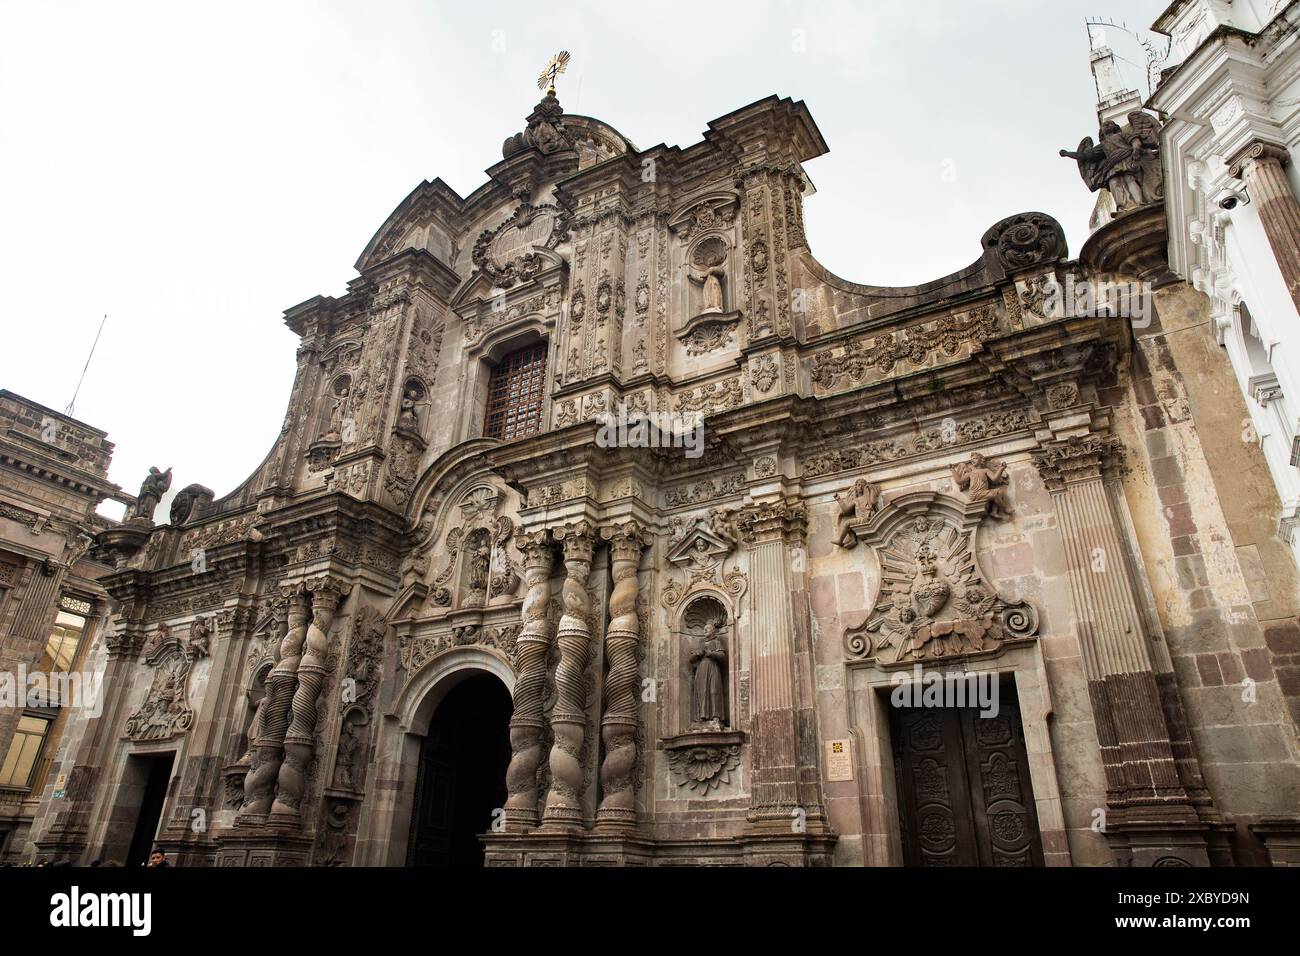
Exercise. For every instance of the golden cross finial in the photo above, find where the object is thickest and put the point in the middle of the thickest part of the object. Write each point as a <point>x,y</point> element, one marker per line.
<point>553,69</point>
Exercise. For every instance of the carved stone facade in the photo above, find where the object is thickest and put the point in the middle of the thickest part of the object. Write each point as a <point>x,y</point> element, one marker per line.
<point>889,484</point>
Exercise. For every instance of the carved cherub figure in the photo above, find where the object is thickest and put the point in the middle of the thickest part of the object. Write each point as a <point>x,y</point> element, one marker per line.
<point>983,479</point>
<point>720,522</point>
<point>200,636</point>
<point>855,506</point>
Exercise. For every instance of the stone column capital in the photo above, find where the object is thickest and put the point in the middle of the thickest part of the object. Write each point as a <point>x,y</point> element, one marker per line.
<point>772,521</point>
<point>577,539</point>
<point>536,547</point>
<point>1255,154</point>
<point>1077,459</point>
<point>626,540</point>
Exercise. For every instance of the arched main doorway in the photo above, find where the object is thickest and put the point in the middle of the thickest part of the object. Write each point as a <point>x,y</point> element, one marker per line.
<point>461,778</point>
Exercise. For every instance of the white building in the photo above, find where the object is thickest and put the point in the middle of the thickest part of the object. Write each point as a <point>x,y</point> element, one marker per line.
<point>1231,105</point>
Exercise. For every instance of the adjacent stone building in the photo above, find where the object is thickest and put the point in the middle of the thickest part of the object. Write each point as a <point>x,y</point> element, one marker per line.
<point>53,475</point>
<point>607,527</point>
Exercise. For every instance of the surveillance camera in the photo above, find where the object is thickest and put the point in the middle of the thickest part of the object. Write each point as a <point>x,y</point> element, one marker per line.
<point>1229,198</point>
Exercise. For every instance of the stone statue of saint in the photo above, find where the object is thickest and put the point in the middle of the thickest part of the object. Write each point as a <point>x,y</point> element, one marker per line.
<point>409,416</point>
<point>712,293</point>
<point>855,506</point>
<point>479,562</point>
<point>151,492</point>
<point>708,687</point>
<point>1125,160</point>
<point>983,479</point>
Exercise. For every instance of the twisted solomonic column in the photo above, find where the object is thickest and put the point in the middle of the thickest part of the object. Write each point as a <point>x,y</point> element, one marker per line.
<point>618,728</point>
<point>526,723</point>
<point>268,744</point>
<point>300,739</point>
<point>569,718</point>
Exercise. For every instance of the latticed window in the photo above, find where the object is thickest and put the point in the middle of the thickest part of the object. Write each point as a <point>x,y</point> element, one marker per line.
<point>515,391</point>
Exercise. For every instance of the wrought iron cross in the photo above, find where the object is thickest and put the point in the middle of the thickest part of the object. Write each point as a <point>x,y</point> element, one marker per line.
<point>558,64</point>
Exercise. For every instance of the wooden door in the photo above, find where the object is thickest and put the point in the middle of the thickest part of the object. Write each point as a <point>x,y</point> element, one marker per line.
<point>964,795</point>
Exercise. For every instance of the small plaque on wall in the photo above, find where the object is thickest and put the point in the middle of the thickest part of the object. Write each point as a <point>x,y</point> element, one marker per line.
<point>839,764</point>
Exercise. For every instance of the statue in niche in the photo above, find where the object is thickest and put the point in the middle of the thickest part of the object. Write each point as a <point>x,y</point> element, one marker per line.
<point>855,506</point>
<point>480,562</point>
<point>409,416</point>
<point>708,681</point>
<point>712,293</point>
<point>342,389</point>
<point>1125,160</point>
<point>155,485</point>
<point>984,479</point>
<point>349,742</point>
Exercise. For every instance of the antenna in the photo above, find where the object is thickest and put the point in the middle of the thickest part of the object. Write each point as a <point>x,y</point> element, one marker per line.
<point>72,404</point>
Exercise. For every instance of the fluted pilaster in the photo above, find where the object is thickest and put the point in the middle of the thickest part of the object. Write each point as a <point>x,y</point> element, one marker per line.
<point>1131,728</point>
<point>1259,166</point>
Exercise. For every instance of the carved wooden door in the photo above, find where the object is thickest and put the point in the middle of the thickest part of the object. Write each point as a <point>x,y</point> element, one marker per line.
<point>431,817</point>
<point>964,796</point>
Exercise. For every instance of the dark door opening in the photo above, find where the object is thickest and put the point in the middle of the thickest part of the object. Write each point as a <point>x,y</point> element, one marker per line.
<point>151,775</point>
<point>964,795</point>
<point>462,774</point>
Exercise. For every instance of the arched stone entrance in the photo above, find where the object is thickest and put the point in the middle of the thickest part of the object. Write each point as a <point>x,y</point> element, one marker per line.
<point>443,752</point>
<point>461,781</point>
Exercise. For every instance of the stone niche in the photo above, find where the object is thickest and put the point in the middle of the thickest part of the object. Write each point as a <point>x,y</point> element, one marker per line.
<point>705,741</point>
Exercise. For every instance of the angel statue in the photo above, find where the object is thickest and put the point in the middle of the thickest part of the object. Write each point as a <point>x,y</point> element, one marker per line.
<point>1125,160</point>
<point>154,487</point>
<point>708,691</point>
<point>981,478</point>
<point>855,506</point>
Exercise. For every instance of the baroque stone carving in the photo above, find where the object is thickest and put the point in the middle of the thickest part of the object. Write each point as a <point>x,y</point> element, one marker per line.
<point>934,603</point>
<point>568,718</point>
<point>855,506</point>
<point>1125,160</point>
<point>708,660</point>
<point>1026,239</point>
<point>620,726</point>
<point>864,454</point>
<point>984,479</point>
<point>1078,459</point>
<point>873,356</point>
<point>152,489</point>
<point>704,767</point>
<point>527,721</point>
<point>507,253</point>
<point>166,711</point>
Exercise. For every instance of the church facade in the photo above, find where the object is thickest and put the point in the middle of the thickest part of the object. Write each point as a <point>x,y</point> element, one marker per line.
<point>607,527</point>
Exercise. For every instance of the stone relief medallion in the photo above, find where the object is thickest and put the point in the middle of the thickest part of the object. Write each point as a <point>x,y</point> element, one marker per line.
<point>166,711</point>
<point>934,602</point>
<point>509,252</point>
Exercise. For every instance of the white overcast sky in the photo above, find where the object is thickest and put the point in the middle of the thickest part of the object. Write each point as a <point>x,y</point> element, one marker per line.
<point>192,169</point>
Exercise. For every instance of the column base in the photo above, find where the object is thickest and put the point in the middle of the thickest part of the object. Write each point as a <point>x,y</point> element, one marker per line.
<point>236,848</point>
<point>1150,843</point>
<point>1281,838</point>
<point>594,848</point>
